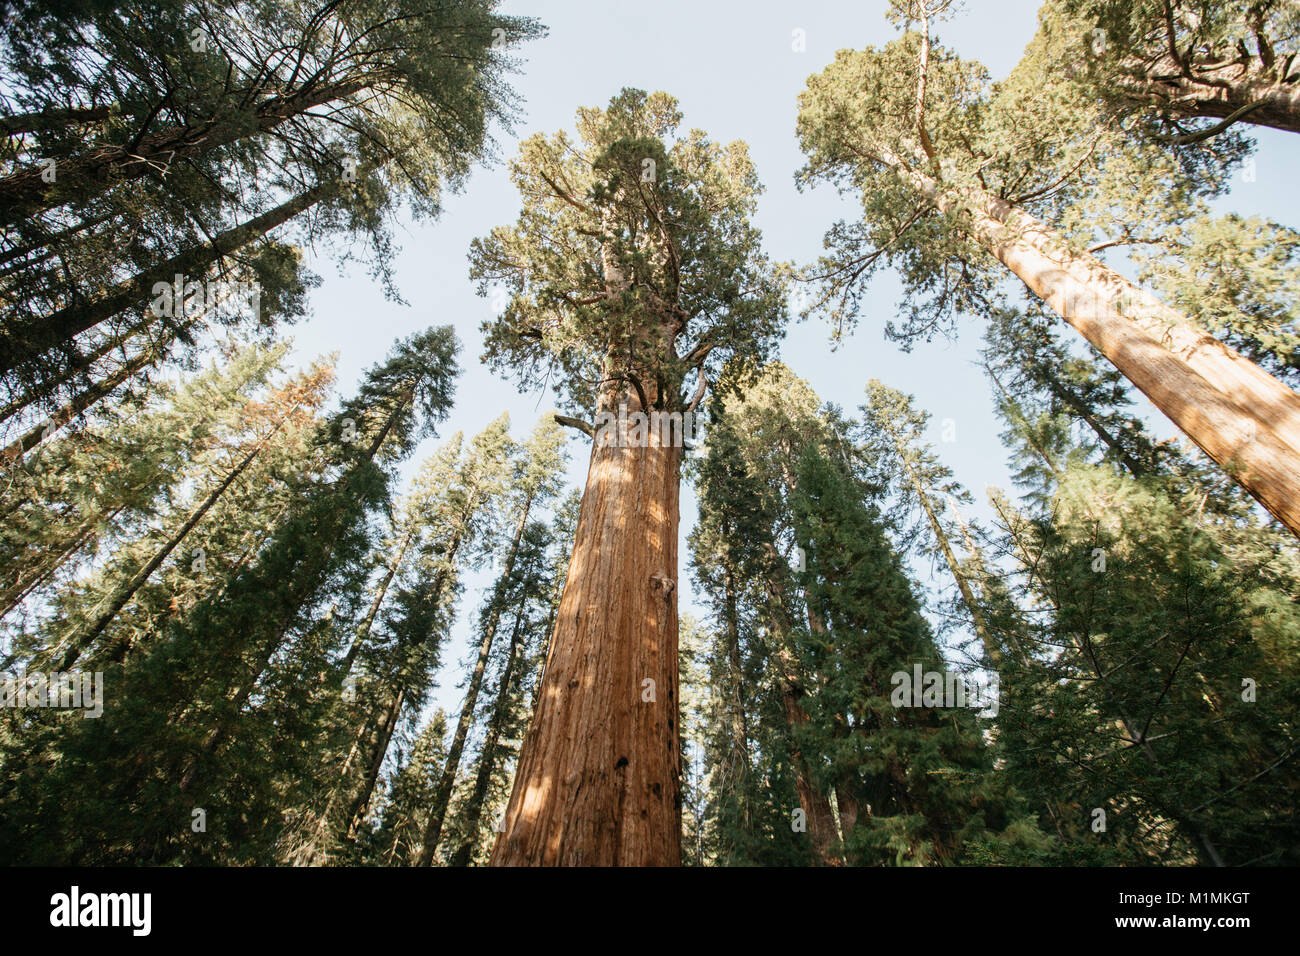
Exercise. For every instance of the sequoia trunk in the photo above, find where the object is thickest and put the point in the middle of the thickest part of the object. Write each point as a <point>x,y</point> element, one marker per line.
<point>1244,419</point>
<point>598,782</point>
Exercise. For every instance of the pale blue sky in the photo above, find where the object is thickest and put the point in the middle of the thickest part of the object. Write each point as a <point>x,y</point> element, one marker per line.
<point>732,67</point>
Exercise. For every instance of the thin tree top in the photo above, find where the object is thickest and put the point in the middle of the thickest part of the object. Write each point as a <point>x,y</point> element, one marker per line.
<point>632,238</point>
<point>402,399</point>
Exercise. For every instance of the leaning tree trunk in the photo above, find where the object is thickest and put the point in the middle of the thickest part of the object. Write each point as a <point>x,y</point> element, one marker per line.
<point>361,801</point>
<point>308,570</point>
<point>940,536</point>
<point>25,192</point>
<point>119,601</point>
<point>1244,419</point>
<point>1245,92</point>
<point>487,761</point>
<point>598,782</point>
<point>381,591</point>
<point>442,798</point>
<point>78,404</point>
<point>35,574</point>
<point>23,344</point>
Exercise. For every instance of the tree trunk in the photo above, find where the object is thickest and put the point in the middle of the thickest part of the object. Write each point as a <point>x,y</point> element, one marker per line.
<point>1244,419</point>
<point>380,749</point>
<point>24,193</point>
<point>51,239</point>
<point>441,800</point>
<point>381,591</point>
<point>79,403</point>
<point>125,594</point>
<point>847,802</point>
<point>80,364</point>
<point>967,595</point>
<point>60,117</point>
<point>357,812</point>
<point>818,816</point>
<point>487,760</point>
<point>319,558</point>
<point>816,805</point>
<point>741,769</point>
<point>1248,92</point>
<point>22,345</point>
<point>598,782</point>
<point>1081,409</point>
<point>26,583</point>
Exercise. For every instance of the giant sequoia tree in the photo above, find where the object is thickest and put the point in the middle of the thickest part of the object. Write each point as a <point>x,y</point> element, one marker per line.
<point>632,268</point>
<point>956,177</point>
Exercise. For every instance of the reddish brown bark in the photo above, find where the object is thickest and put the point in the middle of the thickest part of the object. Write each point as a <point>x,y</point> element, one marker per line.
<point>1244,419</point>
<point>598,782</point>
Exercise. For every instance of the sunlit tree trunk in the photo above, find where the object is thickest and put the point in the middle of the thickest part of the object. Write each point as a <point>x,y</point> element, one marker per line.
<point>1244,419</point>
<point>598,782</point>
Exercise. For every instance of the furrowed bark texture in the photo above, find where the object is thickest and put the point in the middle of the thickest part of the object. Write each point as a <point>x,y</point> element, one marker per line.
<point>1244,419</point>
<point>1217,93</point>
<point>598,782</point>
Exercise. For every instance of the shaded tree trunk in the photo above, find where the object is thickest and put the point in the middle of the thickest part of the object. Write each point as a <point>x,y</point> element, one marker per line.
<point>1244,91</point>
<point>963,586</point>
<point>40,572</point>
<point>23,344</point>
<point>487,761</point>
<point>87,637</point>
<point>23,193</point>
<point>79,403</point>
<point>741,769</point>
<point>442,798</point>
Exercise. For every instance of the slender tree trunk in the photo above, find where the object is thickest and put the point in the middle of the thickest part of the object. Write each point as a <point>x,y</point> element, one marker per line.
<point>24,193</point>
<point>1013,409</point>
<point>22,345</point>
<point>52,239</point>
<point>361,803</point>
<point>1244,419</point>
<point>39,573</point>
<point>963,586</point>
<point>78,404</point>
<point>314,851</point>
<point>87,637</point>
<point>319,559</point>
<point>1081,409</point>
<point>58,118</point>
<point>487,761</point>
<point>442,798</point>
<point>1013,642</point>
<point>362,799</point>
<point>847,802</point>
<point>381,591</point>
<point>742,770</point>
<point>599,776</point>
<point>81,364</point>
